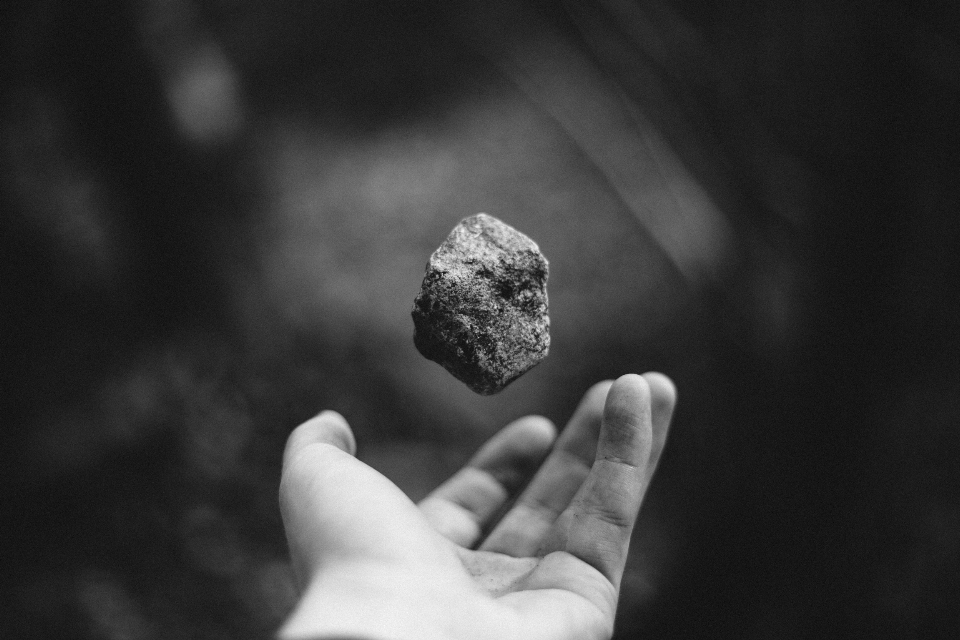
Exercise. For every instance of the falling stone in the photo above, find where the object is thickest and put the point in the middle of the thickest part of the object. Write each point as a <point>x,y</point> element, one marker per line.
<point>482,309</point>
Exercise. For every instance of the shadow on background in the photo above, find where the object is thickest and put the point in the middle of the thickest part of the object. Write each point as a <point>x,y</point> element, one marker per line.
<point>215,220</point>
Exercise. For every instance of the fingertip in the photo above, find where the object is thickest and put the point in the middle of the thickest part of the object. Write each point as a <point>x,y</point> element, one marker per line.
<point>596,395</point>
<point>590,409</point>
<point>534,434</point>
<point>629,391</point>
<point>327,427</point>
<point>662,390</point>
<point>663,400</point>
<point>627,433</point>
<point>523,441</point>
<point>337,431</point>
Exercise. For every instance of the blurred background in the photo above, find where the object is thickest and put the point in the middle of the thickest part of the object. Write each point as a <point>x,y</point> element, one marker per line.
<point>215,215</point>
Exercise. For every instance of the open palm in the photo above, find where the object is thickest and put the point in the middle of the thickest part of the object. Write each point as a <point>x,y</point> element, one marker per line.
<point>375,565</point>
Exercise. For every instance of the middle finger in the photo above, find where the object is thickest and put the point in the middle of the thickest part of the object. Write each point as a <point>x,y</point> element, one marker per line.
<point>521,530</point>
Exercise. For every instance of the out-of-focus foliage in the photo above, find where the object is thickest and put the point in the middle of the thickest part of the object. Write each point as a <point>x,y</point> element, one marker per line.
<point>215,217</point>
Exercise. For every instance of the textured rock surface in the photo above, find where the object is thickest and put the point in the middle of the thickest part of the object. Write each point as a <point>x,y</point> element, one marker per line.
<point>482,309</point>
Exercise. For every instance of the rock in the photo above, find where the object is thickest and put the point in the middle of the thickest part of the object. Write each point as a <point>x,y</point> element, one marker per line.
<point>482,309</point>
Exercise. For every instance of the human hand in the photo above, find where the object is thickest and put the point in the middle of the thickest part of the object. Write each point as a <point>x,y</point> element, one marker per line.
<point>373,565</point>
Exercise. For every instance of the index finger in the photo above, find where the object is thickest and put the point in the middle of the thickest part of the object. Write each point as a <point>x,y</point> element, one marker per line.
<point>596,527</point>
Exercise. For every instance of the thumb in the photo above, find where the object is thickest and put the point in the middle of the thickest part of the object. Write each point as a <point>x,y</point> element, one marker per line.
<point>329,427</point>
<point>337,509</point>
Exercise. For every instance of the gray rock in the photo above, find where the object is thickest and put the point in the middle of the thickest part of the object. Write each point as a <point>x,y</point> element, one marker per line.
<point>482,309</point>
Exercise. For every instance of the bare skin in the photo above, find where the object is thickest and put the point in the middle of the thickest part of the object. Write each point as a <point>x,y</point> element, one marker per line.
<point>374,565</point>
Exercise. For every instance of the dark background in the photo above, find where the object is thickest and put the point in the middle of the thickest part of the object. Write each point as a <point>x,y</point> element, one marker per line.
<point>215,216</point>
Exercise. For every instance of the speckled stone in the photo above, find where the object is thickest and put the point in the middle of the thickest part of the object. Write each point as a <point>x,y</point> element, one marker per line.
<point>482,309</point>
